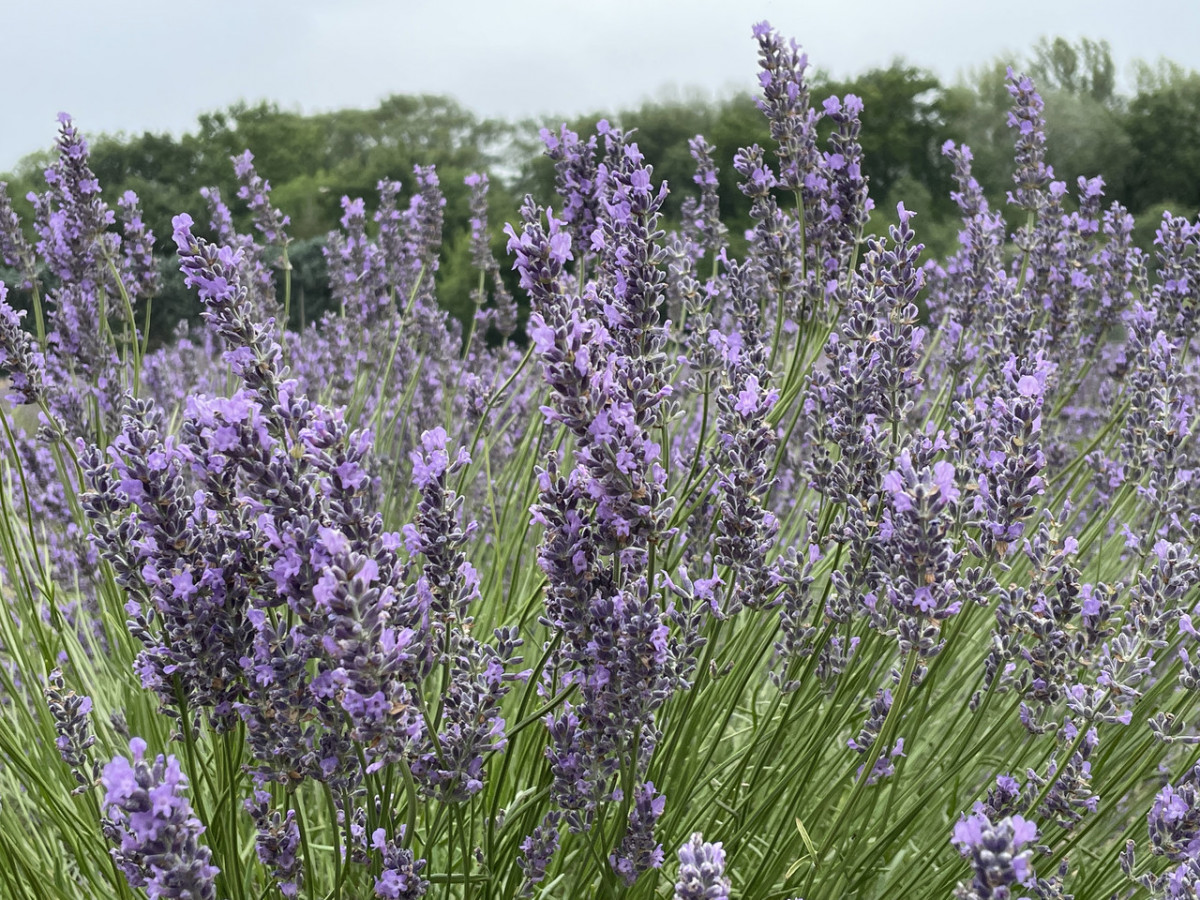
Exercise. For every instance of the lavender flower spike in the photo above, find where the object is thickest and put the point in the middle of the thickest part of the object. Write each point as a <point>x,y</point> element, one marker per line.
<point>1026,117</point>
<point>400,878</point>
<point>214,272</point>
<point>1174,819</point>
<point>996,853</point>
<point>152,825</point>
<point>702,871</point>
<point>702,216</point>
<point>75,738</point>
<point>25,365</point>
<point>277,843</point>
<point>14,249</point>
<point>639,850</point>
<point>785,103</point>
<point>256,191</point>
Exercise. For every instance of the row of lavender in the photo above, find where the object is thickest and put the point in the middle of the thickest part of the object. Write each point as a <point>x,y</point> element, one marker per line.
<point>738,558</point>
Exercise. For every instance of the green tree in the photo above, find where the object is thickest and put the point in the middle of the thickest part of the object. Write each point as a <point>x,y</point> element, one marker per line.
<point>1163,126</point>
<point>1085,68</point>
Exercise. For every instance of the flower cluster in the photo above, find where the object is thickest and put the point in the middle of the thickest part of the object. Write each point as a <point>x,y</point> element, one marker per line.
<point>70,713</point>
<point>702,871</point>
<point>278,843</point>
<point>24,364</point>
<point>256,191</point>
<point>1000,853</point>
<point>150,822</point>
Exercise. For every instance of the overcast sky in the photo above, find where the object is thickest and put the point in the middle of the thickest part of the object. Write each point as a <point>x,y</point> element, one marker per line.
<point>138,65</point>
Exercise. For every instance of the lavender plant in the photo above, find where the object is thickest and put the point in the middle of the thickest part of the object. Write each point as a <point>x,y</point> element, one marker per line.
<point>826,571</point>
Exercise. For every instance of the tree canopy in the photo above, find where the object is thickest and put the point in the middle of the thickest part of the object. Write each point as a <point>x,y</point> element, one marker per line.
<point>1145,144</point>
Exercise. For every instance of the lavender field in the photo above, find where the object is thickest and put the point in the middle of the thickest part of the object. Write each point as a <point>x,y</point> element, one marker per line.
<point>822,570</point>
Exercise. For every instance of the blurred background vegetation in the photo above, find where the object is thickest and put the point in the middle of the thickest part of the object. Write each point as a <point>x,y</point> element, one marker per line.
<point>1145,141</point>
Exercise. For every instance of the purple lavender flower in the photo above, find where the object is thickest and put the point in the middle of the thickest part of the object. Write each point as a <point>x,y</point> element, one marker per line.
<point>370,659</point>
<point>1034,628</point>
<point>472,724</point>
<point>391,238</point>
<point>1158,426</point>
<point>1004,798</point>
<point>1174,827</point>
<point>962,290</point>
<point>1070,795</point>
<point>615,649</point>
<point>856,408</point>
<point>623,677</point>
<point>214,272</point>
<point>995,851</point>
<point>919,560</point>
<point>629,480</point>
<point>450,766</point>
<point>537,849</point>
<point>25,365</point>
<point>70,218</point>
<point>884,765</point>
<point>1009,457</point>
<point>585,360</point>
<point>148,818</point>
<point>254,270</point>
<point>354,268</point>
<point>1032,174</point>
<point>288,478</point>
<point>504,314</point>
<point>72,223</point>
<point>639,850</point>
<point>702,871</point>
<point>1176,242</point>
<point>876,715</point>
<point>220,218</point>
<point>139,274</point>
<point>577,181</point>
<point>481,251</point>
<point>847,205</point>
<point>746,441</point>
<point>794,573</point>
<point>776,237</point>
<point>702,224</point>
<point>277,844</point>
<point>186,588</point>
<point>70,713</point>
<point>541,255</point>
<point>450,581</point>
<point>256,191</point>
<point>785,102</point>
<point>423,243</point>
<point>400,876</point>
<point>1174,820</point>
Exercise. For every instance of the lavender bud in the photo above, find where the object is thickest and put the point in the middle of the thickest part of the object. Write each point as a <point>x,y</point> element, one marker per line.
<point>70,712</point>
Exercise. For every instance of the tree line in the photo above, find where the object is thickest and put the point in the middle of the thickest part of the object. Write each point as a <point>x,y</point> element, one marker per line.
<point>1145,143</point>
